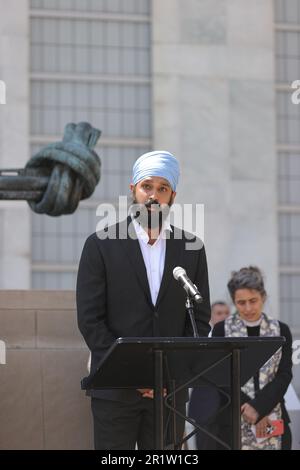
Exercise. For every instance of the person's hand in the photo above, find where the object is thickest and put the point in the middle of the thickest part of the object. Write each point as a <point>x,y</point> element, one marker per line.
<point>249,413</point>
<point>146,392</point>
<point>262,427</point>
<point>149,392</point>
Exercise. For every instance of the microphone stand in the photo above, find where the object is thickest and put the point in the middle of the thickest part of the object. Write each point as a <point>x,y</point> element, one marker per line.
<point>189,305</point>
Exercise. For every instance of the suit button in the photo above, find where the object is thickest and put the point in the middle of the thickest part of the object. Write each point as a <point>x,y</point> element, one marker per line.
<point>155,314</point>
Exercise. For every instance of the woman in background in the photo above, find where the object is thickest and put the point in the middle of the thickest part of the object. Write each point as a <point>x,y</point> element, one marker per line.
<point>262,396</point>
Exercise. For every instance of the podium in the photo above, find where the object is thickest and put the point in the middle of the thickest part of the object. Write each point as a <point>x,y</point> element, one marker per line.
<point>142,363</point>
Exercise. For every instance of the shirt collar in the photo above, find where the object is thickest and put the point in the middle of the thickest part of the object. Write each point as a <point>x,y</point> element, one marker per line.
<point>143,235</point>
<point>253,323</point>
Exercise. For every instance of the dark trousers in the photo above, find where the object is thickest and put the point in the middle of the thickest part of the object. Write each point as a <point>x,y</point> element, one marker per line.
<point>286,443</point>
<point>120,425</point>
<point>204,404</point>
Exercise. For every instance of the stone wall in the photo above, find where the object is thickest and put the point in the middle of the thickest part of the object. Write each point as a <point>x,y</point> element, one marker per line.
<point>41,403</point>
<point>214,107</point>
<point>15,236</point>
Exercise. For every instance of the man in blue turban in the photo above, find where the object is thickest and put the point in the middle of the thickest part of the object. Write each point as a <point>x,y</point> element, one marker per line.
<point>154,180</point>
<point>158,163</point>
<point>125,288</point>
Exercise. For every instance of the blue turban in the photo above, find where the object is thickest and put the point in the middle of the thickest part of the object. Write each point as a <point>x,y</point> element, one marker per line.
<point>157,163</point>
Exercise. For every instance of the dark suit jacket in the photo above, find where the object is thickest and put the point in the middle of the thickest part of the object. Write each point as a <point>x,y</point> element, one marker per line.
<point>113,295</point>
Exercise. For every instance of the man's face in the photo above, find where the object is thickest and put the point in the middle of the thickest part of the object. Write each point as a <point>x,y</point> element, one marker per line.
<point>153,198</point>
<point>219,313</point>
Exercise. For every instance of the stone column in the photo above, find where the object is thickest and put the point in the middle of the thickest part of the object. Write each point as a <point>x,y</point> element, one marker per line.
<point>213,106</point>
<point>14,140</point>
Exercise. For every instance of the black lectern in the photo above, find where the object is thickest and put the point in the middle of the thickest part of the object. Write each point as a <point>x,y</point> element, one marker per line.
<point>140,363</point>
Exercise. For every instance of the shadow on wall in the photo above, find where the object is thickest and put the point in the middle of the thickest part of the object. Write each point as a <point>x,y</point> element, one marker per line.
<point>41,403</point>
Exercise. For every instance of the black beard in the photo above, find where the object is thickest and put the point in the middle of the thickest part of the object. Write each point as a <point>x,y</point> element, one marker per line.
<point>150,220</point>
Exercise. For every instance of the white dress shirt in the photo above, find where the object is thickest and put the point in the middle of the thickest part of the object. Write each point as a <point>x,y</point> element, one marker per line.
<point>154,256</point>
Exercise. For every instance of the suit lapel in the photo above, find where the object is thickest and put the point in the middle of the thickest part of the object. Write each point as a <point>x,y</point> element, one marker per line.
<point>133,251</point>
<point>173,257</point>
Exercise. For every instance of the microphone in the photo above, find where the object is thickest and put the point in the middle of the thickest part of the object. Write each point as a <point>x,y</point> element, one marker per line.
<point>192,291</point>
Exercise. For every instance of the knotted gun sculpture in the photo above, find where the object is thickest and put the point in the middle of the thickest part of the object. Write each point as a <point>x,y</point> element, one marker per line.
<point>59,176</point>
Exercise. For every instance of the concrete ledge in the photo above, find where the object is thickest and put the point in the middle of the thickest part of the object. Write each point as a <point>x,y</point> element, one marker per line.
<point>42,405</point>
<point>37,299</point>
